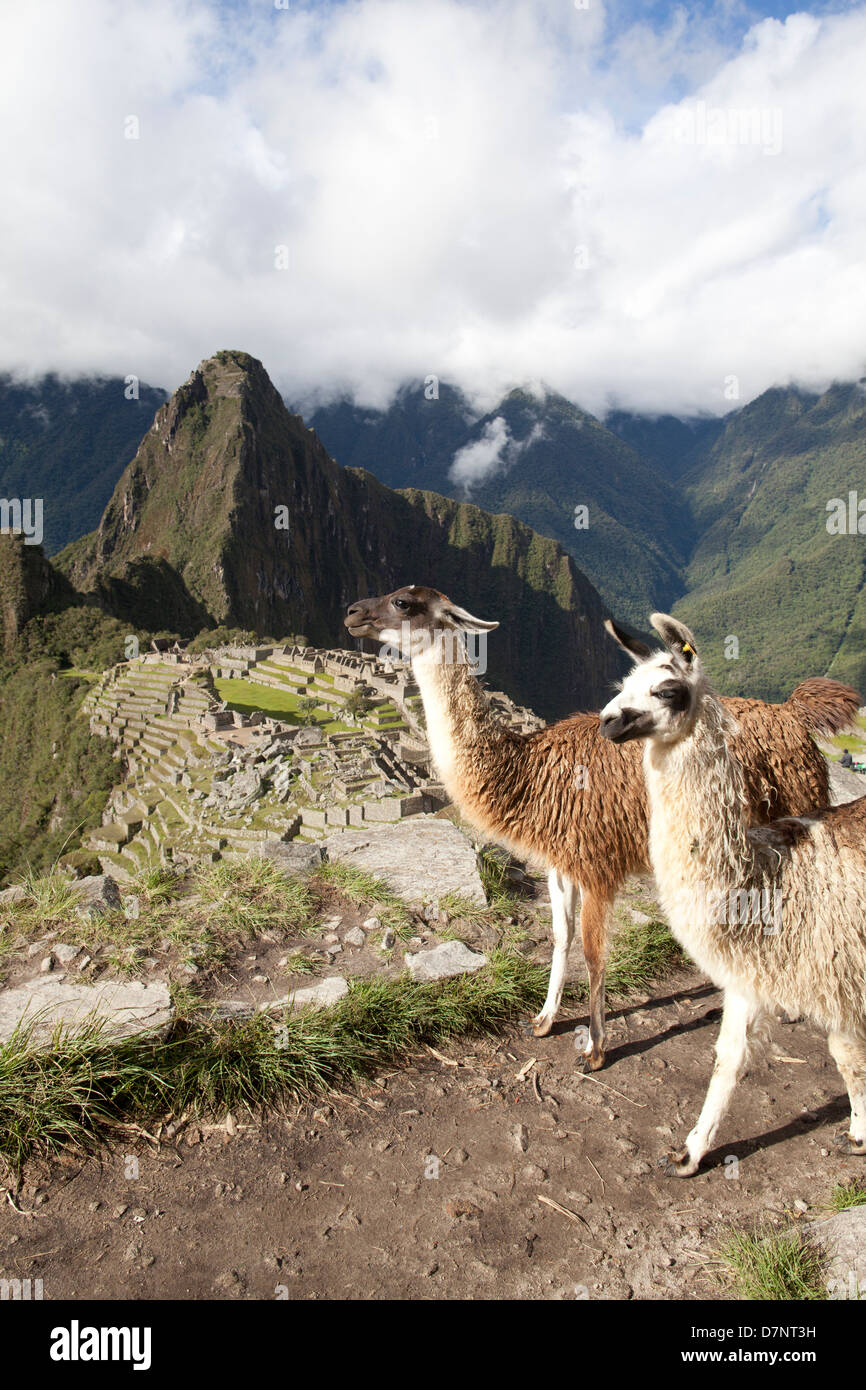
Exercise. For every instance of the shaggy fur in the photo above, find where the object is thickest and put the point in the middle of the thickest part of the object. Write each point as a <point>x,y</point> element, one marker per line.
<point>564,798</point>
<point>775,915</point>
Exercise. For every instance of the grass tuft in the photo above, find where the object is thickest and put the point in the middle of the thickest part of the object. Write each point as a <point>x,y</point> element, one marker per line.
<point>774,1266</point>
<point>365,890</point>
<point>641,954</point>
<point>848,1194</point>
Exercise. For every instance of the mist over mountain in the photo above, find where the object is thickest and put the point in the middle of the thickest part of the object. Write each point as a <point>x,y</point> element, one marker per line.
<point>542,459</point>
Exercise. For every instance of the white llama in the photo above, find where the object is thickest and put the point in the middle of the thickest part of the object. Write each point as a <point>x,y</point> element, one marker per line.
<point>776,915</point>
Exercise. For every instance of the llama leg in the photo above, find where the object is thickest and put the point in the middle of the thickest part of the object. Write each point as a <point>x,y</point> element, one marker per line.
<point>849,1054</point>
<point>562,903</point>
<point>738,1019</point>
<point>594,912</point>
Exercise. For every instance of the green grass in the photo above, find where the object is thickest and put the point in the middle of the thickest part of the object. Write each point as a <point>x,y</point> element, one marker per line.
<point>641,954</point>
<point>365,890</point>
<point>74,1093</point>
<point>774,1266</point>
<point>849,1194</point>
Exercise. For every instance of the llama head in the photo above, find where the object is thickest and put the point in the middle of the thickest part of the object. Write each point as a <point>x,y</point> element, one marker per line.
<point>414,621</point>
<point>659,696</point>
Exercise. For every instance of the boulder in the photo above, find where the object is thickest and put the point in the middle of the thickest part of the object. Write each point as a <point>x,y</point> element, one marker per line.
<point>441,962</point>
<point>10,896</point>
<point>420,859</point>
<point>292,858</point>
<point>313,997</point>
<point>842,1239</point>
<point>845,785</point>
<point>125,1008</point>
<point>96,895</point>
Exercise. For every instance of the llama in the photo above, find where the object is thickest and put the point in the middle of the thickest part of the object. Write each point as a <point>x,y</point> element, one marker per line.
<point>774,915</point>
<point>563,798</point>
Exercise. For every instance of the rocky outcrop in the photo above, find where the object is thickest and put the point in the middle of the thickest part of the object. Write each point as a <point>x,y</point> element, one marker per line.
<point>421,859</point>
<point>122,1010</point>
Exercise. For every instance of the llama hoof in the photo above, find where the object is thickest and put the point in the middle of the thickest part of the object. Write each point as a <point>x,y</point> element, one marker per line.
<point>679,1165</point>
<point>853,1148</point>
<point>537,1027</point>
<point>592,1061</point>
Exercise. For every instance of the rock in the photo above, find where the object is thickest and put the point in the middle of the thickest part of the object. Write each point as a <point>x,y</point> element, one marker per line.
<point>66,954</point>
<point>97,894</point>
<point>420,859</point>
<point>389,939</point>
<point>845,785</point>
<point>843,1240</point>
<point>520,1138</point>
<point>371,924</point>
<point>440,962</point>
<point>131,908</point>
<point>314,996</point>
<point>47,965</point>
<point>124,1008</point>
<point>15,894</point>
<point>355,937</point>
<point>292,858</point>
<point>232,1008</point>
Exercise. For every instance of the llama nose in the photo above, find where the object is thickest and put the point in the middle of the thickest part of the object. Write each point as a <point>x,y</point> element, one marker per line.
<point>614,723</point>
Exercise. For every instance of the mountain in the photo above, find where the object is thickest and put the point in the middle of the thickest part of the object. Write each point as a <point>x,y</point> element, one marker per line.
<point>671,445</point>
<point>232,513</point>
<point>766,569</point>
<point>538,458</point>
<point>28,585</point>
<point>53,776</point>
<point>67,443</point>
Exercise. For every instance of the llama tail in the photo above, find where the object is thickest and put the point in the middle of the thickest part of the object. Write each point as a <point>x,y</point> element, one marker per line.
<point>825,707</point>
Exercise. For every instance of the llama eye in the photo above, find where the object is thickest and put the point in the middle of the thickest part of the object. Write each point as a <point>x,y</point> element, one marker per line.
<point>400,603</point>
<point>668,695</point>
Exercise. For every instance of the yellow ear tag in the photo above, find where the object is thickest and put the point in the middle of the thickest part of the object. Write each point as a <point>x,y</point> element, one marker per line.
<point>687,648</point>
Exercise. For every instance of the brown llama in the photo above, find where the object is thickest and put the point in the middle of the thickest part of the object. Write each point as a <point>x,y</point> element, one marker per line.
<point>563,797</point>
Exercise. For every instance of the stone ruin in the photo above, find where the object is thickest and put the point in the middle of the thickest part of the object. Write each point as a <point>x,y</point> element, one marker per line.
<point>203,781</point>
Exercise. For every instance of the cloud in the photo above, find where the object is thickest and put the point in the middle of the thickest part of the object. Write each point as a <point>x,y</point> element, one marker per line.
<point>478,460</point>
<point>497,448</point>
<point>493,193</point>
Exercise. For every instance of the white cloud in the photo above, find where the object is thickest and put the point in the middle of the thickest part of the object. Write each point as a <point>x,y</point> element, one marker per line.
<point>462,190</point>
<point>496,449</point>
<point>477,461</point>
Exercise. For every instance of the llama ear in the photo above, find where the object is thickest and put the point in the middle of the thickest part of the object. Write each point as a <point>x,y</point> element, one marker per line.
<point>465,622</point>
<point>676,636</point>
<point>629,644</point>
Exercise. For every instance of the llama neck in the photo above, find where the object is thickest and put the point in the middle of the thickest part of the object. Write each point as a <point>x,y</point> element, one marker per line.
<point>698,808</point>
<point>459,723</point>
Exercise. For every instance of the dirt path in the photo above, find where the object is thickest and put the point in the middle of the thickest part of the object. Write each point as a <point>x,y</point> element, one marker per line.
<point>343,1201</point>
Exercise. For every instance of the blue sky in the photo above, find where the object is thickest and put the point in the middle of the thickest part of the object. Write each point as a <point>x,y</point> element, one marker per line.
<point>652,206</point>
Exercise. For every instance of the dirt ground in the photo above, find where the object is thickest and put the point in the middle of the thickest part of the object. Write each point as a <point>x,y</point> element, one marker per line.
<point>429,1184</point>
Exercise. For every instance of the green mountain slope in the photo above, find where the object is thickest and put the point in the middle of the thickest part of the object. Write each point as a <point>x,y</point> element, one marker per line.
<point>765,568</point>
